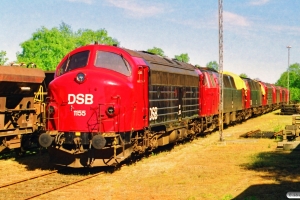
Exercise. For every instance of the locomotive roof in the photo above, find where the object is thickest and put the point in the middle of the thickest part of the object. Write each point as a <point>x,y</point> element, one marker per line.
<point>208,69</point>
<point>239,83</point>
<point>158,63</point>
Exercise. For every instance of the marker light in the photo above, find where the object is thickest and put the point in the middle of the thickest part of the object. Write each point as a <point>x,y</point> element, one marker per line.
<point>25,88</point>
<point>110,111</point>
<point>80,78</point>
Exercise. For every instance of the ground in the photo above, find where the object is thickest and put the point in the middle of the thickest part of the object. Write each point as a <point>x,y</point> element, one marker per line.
<point>205,168</point>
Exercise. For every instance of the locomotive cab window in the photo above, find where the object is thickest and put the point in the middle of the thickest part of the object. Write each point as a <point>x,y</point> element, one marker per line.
<point>205,81</point>
<point>215,75</point>
<point>75,61</point>
<point>113,62</point>
<point>232,82</point>
<point>226,82</point>
<point>212,80</point>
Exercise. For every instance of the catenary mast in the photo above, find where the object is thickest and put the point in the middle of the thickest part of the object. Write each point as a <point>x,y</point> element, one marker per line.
<point>221,69</point>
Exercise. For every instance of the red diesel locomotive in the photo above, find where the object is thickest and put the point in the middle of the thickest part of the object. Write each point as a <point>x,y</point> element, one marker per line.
<point>108,103</point>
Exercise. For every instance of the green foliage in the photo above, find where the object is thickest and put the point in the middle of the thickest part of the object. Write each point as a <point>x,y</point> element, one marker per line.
<point>213,65</point>
<point>294,76</point>
<point>48,46</point>
<point>88,36</point>
<point>153,154</point>
<point>278,127</point>
<point>157,51</point>
<point>294,81</point>
<point>243,75</point>
<point>3,58</point>
<point>65,29</point>
<point>227,197</point>
<point>295,95</point>
<point>184,57</point>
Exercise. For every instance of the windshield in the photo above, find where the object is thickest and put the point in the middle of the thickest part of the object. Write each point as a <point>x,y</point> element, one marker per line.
<point>113,62</point>
<point>75,61</point>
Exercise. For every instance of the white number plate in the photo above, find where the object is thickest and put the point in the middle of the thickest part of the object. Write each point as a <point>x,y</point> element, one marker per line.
<point>80,113</point>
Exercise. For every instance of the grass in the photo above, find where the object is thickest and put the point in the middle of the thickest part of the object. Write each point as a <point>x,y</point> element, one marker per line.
<point>227,197</point>
<point>277,161</point>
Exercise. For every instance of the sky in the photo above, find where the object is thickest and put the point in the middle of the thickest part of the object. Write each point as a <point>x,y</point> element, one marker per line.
<point>256,33</point>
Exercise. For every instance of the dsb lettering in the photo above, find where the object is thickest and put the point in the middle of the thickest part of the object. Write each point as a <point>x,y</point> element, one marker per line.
<point>80,99</point>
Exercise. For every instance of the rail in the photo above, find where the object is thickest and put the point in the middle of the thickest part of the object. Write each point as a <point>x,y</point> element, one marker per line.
<point>41,184</point>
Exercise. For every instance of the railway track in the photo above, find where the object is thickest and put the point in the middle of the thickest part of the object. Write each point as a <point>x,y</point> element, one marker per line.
<point>35,186</point>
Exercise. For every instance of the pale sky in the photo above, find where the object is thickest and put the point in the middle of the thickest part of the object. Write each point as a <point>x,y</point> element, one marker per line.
<point>256,32</point>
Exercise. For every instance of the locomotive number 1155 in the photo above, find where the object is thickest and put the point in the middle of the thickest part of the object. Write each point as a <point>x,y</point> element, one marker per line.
<point>79,113</point>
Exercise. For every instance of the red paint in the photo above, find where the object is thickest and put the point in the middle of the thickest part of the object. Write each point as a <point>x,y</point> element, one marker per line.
<point>127,95</point>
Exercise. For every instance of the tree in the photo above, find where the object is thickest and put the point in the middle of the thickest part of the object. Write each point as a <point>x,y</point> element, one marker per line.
<point>294,77</point>
<point>48,46</point>
<point>243,75</point>
<point>65,29</point>
<point>295,95</point>
<point>157,51</point>
<point>88,36</point>
<point>294,81</point>
<point>3,58</point>
<point>213,65</point>
<point>184,57</point>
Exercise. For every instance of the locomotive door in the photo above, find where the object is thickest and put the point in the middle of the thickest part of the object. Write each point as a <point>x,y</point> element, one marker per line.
<point>141,106</point>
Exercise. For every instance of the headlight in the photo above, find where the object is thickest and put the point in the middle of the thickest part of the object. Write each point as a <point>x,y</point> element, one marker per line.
<point>80,78</point>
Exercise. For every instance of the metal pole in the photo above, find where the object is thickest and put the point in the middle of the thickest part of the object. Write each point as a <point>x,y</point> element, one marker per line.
<point>288,71</point>
<point>221,69</point>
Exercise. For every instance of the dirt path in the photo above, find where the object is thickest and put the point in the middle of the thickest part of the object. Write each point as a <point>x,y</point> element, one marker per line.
<point>202,169</point>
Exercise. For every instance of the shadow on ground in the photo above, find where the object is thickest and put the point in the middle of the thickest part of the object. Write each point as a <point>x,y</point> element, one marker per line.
<point>283,167</point>
<point>269,191</point>
<point>41,160</point>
